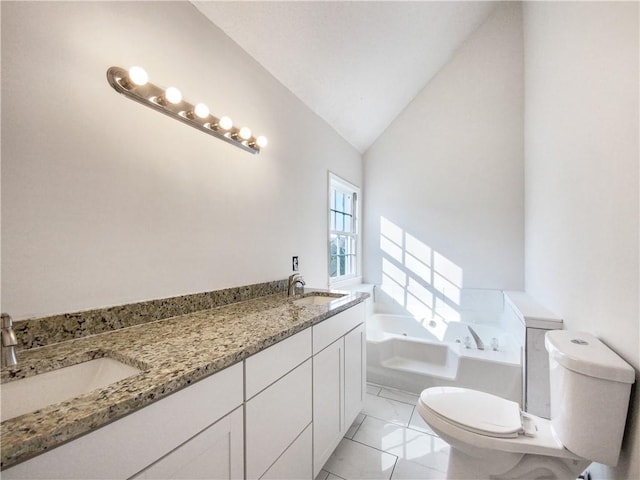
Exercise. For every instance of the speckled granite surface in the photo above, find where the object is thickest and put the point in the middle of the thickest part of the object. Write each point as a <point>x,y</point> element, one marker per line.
<point>172,354</point>
<point>39,332</point>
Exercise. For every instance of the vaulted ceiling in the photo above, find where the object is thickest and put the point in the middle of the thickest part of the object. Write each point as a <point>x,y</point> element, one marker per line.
<point>355,64</point>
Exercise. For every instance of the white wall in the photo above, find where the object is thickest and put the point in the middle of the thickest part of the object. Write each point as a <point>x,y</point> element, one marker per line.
<point>448,172</point>
<point>107,202</point>
<point>581,157</point>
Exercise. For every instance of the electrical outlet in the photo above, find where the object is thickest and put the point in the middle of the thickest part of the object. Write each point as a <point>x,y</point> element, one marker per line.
<point>294,263</point>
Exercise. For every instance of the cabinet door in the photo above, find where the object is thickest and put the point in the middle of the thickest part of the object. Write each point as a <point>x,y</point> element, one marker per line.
<point>354,374</point>
<point>276,417</point>
<point>296,462</point>
<point>328,407</point>
<point>214,453</point>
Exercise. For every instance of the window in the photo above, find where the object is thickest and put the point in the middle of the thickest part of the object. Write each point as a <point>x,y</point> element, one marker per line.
<point>343,229</point>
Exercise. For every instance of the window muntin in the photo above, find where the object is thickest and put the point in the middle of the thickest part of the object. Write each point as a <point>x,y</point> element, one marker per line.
<point>343,231</point>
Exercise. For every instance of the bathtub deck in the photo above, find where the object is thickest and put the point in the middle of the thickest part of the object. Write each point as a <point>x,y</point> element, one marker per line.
<point>445,372</point>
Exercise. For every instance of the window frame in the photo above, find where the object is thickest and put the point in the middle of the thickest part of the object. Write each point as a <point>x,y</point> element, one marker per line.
<point>340,184</point>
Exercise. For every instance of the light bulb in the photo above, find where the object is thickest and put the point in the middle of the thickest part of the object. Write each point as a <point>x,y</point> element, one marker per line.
<point>138,76</point>
<point>173,95</point>
<point>245,133</point>
<point>261,141</point>
<point>225,123</point>
<point>201,110</point>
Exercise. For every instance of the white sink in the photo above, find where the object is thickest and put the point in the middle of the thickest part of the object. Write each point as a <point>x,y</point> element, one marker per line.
<point>315,300</point>
<point>33,393</point>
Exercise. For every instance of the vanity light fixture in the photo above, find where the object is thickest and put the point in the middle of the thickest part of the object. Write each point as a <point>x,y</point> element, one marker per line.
<point>135,85</point>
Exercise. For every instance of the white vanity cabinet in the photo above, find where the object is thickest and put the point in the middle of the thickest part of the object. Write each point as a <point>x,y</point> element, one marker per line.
<point>278,410</point>
<point>277,415</point>
<point>159,440</point>
<point>338,379</point>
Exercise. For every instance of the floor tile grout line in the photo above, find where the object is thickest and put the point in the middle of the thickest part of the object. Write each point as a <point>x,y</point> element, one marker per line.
<point>323,470</point>
<point>394,467</point>
<point>420,429</point>
<point>377,449</point>
<point>392,399</point>
<point>413,429</point>
<point>381,388</point>
<point>386,420</point>
<point>374,448</point>
<point>335,475</point>
<point>436,470</point>
<point>364,417</point>
<point>384,451</point>
<point>396,400</point>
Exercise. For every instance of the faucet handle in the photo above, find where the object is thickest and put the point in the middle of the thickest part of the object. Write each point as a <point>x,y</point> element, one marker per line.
<point>8,343</point>
<point>8,336</point>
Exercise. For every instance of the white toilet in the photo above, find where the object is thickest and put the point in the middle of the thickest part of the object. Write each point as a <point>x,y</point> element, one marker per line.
<point>491,438</point>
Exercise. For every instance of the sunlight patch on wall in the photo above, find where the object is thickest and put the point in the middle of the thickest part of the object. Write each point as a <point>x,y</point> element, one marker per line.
<point>419,298</point>
<point>422,281</point>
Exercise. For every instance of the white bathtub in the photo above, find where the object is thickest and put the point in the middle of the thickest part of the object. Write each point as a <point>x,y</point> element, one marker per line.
<point>411,354</point>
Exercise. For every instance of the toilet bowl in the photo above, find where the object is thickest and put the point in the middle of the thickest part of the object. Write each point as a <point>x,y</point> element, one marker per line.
<point>490,437</point>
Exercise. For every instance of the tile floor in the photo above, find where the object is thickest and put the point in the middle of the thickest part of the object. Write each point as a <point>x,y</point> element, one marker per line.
<point>388,441</point>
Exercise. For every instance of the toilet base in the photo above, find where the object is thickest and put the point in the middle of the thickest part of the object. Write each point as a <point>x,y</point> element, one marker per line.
<point>464,467</point>
<point>530,467</point>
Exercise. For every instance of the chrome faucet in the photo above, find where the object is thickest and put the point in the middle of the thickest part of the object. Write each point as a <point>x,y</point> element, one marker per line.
<point>294,279</point>
<point>476,338</point>
<point>9,342</point>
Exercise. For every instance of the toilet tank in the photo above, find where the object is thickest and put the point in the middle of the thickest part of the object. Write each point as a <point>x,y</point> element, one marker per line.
<point>590,387</point>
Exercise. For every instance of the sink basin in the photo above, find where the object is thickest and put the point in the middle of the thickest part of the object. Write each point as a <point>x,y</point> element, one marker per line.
<point>316,299</point>
<point>33,393</point>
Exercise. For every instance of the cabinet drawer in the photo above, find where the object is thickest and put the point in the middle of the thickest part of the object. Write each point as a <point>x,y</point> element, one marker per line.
<point>328,331</point>
<point>275,417</point>
<point>216,452</point>
<point>267,366</point>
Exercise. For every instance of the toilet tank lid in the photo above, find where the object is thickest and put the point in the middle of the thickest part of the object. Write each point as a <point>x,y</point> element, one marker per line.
<point>584,353</point>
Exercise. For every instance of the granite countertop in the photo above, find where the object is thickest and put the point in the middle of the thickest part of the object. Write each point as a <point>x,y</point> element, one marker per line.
<point>172,354</point>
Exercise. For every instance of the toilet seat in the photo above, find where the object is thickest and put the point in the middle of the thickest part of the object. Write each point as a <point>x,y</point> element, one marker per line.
<point>478,412</point>
<point>542,442</point>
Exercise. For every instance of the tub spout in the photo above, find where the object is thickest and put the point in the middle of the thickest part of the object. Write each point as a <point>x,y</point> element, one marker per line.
<point>476,338</point>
